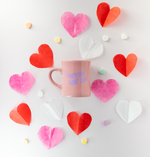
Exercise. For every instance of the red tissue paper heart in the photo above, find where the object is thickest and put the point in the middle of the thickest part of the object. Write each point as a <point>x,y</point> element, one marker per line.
<point>22,115</point>
<point>79,123</point>
<point>44,59</point>
<point>125,65</point>
<point>106,15</point>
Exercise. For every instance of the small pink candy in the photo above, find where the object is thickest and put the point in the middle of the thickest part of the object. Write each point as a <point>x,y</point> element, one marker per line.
<point>105,122</point>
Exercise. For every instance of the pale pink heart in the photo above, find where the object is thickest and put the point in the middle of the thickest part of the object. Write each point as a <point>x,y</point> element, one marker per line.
<point>74,25</point>
<point>104,91</point>
<point>22,84</point>
<point>50,137</point>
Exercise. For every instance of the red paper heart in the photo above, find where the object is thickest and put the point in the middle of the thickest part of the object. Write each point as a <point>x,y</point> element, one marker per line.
<point>44,59</point>
<point>79,123</point>
<point>106,15</point>
<point>125,65</point>
<point>22,115</point>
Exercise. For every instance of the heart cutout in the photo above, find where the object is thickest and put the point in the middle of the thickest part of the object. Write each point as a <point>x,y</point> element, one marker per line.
<point>44,59</point>
<point>53,109</point>
<point>128,111</point>
<point>106,15</point>
<point>74,25</point>
<point>89,48</point>
<point>50,137</point>
<point>22,115</point>
<point>79,123</point>
<point>125,65</point>
<point>105,91</point>
<point>22,84</point>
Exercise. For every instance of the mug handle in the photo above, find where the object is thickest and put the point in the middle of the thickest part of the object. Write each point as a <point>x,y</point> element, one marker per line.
<point>50,77</point>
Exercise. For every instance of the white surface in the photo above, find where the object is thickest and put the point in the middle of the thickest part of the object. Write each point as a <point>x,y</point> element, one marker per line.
<point>17,43</point>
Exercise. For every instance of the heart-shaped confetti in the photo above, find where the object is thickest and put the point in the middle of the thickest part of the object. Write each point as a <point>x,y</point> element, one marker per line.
<point>105,91</point>
<point>124,36</point>
<point>84,141</point>
<point>74,25</point>
<point>44,59</point>
<point>57,40</point>
<point>105,38</point>
<point>22,84</point>
<point>22,115</point>
<point>125,65</point>
<point>50,137</point>
<point>106,15</point>
<point>28,25</point>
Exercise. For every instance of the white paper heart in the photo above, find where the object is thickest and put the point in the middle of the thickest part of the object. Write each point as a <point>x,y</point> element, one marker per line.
<point>53,109</point>
<point>89,48</point>
<point>128,111</point>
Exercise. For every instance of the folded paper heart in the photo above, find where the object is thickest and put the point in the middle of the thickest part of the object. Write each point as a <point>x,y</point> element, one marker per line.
<point>125,65</point>
<point>53,109</point>
<point>44,59</point>
<point>22,84</point>
<point>74,25</point>
<point>50,137</point>
<point>22,115</point>
<point>105,91</point>
<point>106,15</point>
<point>89,48</point>
<point>128,111</point>
<point>79,123</point>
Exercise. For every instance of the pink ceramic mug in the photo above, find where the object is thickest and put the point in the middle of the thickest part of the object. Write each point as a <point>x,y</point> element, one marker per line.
<point>76,78</point>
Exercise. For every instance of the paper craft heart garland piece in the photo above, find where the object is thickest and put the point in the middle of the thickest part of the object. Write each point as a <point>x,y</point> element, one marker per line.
<point>53,109</point>
<point>22,115</point>
<point>22,84</point>
<point>106,15</point>
<point>89,48</point>
<point>128,111</point>
<point>104,91</point>
<point>44,59</point>
<point>74,25</point>
<point>79,123</point>
<point>50,137</point>
<point>125,65</point>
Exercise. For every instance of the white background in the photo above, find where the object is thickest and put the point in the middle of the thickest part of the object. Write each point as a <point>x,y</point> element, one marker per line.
<point>17,43</point>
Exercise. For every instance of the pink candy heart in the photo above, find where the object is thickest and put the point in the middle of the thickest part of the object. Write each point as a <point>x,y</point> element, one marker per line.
<point>104,91</point>
<point>74,25</point>
<point>50,137</point>
<point>22,84</point>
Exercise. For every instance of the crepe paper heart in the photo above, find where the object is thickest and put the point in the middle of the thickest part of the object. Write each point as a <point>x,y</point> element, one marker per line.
<point>74,25</point>
<point>57,40</point>
<point>22,115</point>
<point>89,48</point>
<point>124,36</point>
<point>22,84</point>
<point>50,137</point>
<point>44,59</point>
<point>106,15</point>
<point>79,123</point>
<point>128,111</point>
<point>105,38</point>
<point>125,65</point>
<point>53,109</point>
<point>28,25</point>
<point>104,91</point>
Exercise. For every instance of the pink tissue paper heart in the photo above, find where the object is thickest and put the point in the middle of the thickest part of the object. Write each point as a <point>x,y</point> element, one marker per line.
<point>50,137</point>
<point>104,91</point>
<point>74,25</point>
<point>22,84</point>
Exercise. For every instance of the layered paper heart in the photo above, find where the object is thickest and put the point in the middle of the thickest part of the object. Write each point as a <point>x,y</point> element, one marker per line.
<point>22,115</point>
<point>105,91</point>
<point>89,48</point>
<point>125,65</point>
<point>74,25</point>
<point>44,59</point>
<point>106,15</point>
<point>79,123</point>
<point>50,137</point>
<point>53,109</point>
<point>22,84</point>
<point>128,111</point>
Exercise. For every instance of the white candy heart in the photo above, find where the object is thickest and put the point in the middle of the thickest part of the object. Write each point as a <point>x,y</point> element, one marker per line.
<point>89,48</point>
<point>124,36</point>
<point>53,109</point>
<point>128,111</point>
<point>105,38</point>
